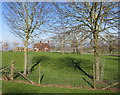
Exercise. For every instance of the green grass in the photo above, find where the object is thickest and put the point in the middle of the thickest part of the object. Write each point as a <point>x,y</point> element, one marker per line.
<point>13,87</point>
<point>61,69</point>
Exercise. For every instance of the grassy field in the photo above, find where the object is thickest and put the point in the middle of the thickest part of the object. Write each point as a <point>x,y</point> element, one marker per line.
<point>13,87</point>
<point>66,69</point>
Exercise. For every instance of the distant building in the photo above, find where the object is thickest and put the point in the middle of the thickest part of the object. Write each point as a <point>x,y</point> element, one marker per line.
<point>29,49</point>
<point>20,49</point>
<point>42,46</point>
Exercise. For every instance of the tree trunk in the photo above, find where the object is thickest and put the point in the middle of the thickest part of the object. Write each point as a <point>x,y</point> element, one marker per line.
<point>77,46</point>
<point>5,48</point>
<point>81,51</point>
<point>25,55</point>
<point>102,48</point>
<point>96,55</point>
<point>63,45</point>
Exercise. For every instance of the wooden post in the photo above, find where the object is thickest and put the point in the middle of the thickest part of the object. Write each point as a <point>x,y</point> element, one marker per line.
<point>5,77</point>
<point>29,65</point>
<point>24,76</point>
<point>102,72</point>
<point>12,69</point>
<point>39,73</point>
<point>94,76</point>
<point>111,85</point>
<point>4,69</point>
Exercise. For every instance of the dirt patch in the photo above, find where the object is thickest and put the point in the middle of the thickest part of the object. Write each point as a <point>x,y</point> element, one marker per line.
<point>114,89</point>
<point>64,86</point>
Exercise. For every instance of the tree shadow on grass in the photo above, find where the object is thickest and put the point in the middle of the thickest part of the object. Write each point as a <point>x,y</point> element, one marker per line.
<point>88,82</point>
<point>37,60</point>
<point>17,75</point>
<point>113,59</point>
<point>76,64</point>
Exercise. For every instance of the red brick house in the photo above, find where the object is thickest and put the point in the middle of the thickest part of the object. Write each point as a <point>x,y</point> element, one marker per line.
<point>42,46</point>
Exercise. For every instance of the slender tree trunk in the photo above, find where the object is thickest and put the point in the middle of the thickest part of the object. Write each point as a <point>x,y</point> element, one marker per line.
<point>77,46</point>
<point>102,49</point>
<point>25,55</point>
<point>2,48</point>
<point>63,45</point>
<point>81,51</point>
<point>73,49</point>
<point>60,47</point>
<point>6,49</point>
<point>96,55</point>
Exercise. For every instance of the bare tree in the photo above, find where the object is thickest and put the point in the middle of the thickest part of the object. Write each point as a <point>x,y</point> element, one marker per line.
<point>78,36</point>
<point>110,40</point>
<point>97,16</point>
<point>59,39</point>
<point>61,33</point>
<point>26,20</point>
<point>15,47</point>
<point>5,46</point>
<point>1,47</point>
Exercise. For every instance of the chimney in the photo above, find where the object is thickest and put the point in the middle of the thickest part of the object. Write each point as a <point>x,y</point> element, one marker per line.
<point>40,42</point>
<point>48,42</point>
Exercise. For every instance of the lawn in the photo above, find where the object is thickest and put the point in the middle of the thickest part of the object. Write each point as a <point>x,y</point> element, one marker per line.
<point>66,69</point>
<point>13,87</point>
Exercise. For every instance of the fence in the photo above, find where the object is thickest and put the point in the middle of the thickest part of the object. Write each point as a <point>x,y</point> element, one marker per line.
<point>60,77</point>
<point>46,76</point>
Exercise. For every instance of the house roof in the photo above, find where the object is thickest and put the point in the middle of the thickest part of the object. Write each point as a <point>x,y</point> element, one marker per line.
<point>42,46</point>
